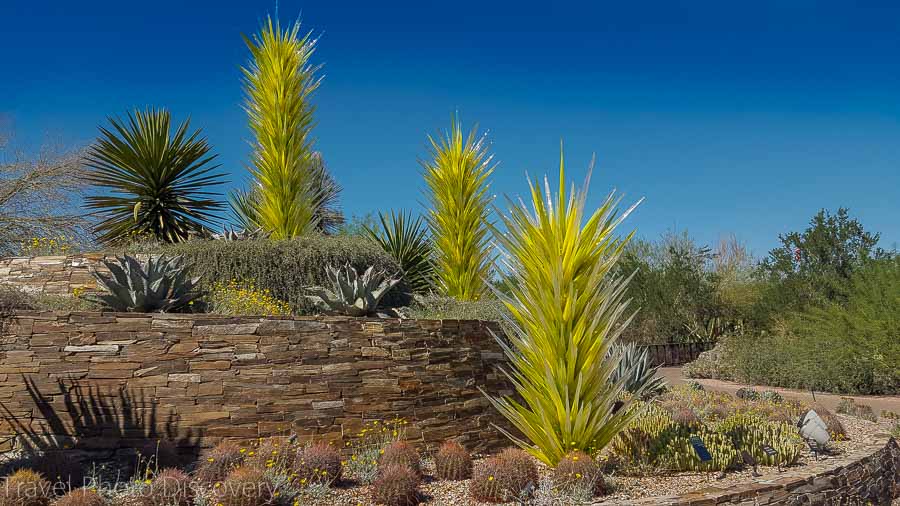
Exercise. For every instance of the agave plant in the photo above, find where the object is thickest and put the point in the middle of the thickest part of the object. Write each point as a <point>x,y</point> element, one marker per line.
<point>158,284</point>
<point>406,240</point>
<point>457,178</point>
<point>635,371</point>
<point>351,294</point>
<point>291,193</point>
<point>564,304</point>
<point>233,234</point>
<point>159,181</point>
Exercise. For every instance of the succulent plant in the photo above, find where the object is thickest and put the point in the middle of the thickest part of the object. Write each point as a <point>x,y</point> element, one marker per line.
<point>577,470</point>
<point>319,463</point>
<point>159,284</point>
<point>400,453</point>
<point>217,462</point>
<point>748,394</point>
<point>352,294</point>
<point>171,487</point>
<point>233,234</point>
<point>639,375</point>
<point>452,462</point>
<point>397,485</point>
<point>771,396</point>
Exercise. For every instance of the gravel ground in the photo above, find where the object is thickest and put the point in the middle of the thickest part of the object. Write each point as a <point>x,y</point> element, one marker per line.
<point>626,487</point>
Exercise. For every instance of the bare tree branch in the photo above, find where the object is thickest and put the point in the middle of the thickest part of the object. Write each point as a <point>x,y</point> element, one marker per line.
<point>40,196</point>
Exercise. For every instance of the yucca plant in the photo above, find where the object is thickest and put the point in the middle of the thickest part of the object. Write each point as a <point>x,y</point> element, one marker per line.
<point>352,294</point>
<point>157,284</point>
<point>406,240</point>
<point>563,311</point>
<point>291,193</point>
<point>636,369</point>
<point>457,177</point>
<point>159,181</point>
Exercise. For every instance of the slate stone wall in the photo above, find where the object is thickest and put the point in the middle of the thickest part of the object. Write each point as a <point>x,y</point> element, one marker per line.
<point>108,379</point>
<point>52,275</point>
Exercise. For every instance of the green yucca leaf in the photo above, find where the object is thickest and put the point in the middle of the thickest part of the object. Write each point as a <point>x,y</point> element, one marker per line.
<point>565,306</point>
<point>159,180</point>
<point>292,193</point>
<point>457,178</point>
<point>406,240</point>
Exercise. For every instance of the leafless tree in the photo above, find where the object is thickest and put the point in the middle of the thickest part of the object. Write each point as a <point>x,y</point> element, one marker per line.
<point>40,195</point>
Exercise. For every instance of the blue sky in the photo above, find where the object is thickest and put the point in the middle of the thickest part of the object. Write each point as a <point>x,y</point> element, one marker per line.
<point>726,118</point>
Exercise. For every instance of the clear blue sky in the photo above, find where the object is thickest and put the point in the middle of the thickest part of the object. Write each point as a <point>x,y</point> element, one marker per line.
<point>727,119</point>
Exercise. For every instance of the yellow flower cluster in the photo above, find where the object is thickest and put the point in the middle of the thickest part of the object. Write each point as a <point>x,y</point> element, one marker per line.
<point>236,298</point>
<point>369,444</point>
<point>44,246</point>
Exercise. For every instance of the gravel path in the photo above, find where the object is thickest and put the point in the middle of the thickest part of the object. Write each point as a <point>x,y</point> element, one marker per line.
<point>626,487</point>
<point>878,402</point>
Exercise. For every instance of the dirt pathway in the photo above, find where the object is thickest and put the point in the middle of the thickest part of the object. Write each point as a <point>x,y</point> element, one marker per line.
<point>878,403</point>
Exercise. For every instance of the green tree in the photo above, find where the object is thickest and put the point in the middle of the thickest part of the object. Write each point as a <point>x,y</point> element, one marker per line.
<point>815,266</point>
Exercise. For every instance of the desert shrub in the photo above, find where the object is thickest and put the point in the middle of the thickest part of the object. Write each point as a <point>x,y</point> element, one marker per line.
<point>81,497</point>
<point>170,487</point>
<point>11,299</point>
<point>366,446</point>
<point>273,453</point>
<point>400,453</point>
<point>396,485</point>
<point>849,347</point>
<point>684,291</point>
<point>716,363</point>
<point>235,298</point>
<point>217,462</point>
<point>318,463</point>
<point>452,462</point>
<point>246,486</point>
<point>440,307</point>
<point>848,406</point>
<point>26,488</point>
<point>284,267</point>
<point>578,474</point>
<point>47,246</point>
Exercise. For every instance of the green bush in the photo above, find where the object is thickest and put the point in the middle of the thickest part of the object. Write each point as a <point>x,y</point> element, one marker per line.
<point>850,348</point>
<point>717,363</point>
<point>439,307</point>
<point>284,267</point>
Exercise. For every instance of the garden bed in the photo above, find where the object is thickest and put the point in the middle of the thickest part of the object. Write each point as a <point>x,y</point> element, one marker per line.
<point>863,438</point>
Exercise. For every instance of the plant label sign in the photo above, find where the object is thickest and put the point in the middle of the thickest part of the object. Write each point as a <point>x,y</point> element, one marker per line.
<point>700,449</point>
<point>768,450</point>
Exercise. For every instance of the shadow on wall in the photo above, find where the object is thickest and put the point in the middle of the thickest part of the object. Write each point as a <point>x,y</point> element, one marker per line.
<point>114,423</point>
